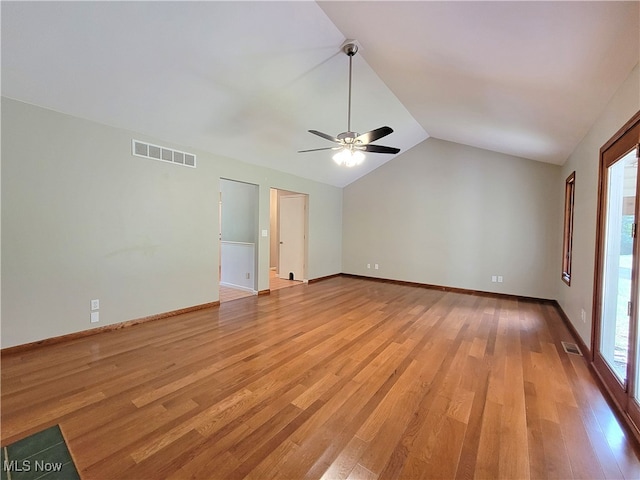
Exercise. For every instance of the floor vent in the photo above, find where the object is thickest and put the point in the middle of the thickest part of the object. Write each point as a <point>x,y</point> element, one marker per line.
<point>155,152</point>
<point>571,348</point>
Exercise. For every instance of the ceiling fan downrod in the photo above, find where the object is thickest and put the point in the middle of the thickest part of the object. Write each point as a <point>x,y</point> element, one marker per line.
<point>350,49</point>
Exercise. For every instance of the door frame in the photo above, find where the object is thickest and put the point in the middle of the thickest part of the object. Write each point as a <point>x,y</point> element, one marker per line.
<point>255,206</point>
<point>624,141</point>
<point>275,234</point>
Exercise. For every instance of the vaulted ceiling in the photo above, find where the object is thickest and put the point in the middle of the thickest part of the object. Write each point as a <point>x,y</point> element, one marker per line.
<point>248,79</point>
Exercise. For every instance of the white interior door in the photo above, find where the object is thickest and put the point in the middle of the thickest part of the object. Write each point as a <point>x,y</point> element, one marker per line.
<point>292,236</point>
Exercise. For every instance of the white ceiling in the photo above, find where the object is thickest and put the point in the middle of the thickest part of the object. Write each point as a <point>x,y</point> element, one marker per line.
<point>248,79</point>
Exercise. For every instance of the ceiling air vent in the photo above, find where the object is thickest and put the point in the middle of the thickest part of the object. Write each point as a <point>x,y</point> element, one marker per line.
<point>155,152</point>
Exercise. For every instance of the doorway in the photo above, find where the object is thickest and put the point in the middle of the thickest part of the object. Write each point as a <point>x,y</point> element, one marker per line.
<point>238,239</point>
<point>615,339</point>
<point>289,226</point>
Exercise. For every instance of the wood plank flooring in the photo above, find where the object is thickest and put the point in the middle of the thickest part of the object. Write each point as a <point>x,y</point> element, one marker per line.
<point>344,378</point>
<point>228,294</point>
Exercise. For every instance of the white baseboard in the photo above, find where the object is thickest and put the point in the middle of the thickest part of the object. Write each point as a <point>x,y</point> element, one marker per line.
<point>238,287</point>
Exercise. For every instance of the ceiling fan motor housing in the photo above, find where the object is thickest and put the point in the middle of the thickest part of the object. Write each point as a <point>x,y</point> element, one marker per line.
<point>348,137</point>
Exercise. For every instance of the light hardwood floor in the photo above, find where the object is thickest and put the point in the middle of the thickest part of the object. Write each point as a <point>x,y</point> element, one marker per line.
<point>344,378</point>
<point>228,294</point>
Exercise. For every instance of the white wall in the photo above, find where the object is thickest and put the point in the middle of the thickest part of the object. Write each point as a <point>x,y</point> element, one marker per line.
<point>237,262</point>
<point>584,161</point>
<point>82,218</point>
<point>452,215</point>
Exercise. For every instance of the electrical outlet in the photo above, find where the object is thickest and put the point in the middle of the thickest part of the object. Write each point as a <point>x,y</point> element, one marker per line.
<point>248,275</point>
<point>95,317</point>
<point>499,278</point>
<point>376,266</point>
<point>368,265</point>
<point>95,304</point>
<point>494,278</point>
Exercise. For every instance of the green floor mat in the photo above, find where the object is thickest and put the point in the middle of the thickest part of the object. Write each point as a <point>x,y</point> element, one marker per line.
<point>43,455</point>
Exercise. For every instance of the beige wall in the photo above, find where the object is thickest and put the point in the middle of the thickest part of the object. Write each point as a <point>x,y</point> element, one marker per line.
<point>82,218</point>
<point>584,161</point>
<point>452,215</point>
<point>239,211</point>
<point>273,222</point>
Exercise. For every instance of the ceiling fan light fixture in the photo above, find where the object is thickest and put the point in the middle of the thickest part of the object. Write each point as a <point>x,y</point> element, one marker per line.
<point>348,157</point>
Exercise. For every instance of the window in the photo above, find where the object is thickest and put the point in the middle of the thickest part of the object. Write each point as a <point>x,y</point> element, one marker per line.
<point>567,243</point>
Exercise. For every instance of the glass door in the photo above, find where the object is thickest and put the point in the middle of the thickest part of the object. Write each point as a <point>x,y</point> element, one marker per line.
<point>633,407</point>
<point>616,354</point>
<point>621,183</point>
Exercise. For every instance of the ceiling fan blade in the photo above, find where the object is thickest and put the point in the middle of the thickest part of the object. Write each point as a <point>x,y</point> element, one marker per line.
<point>379,149</point>
<point>318,149</point>
<point>325,136</point>
<point>374,135</point>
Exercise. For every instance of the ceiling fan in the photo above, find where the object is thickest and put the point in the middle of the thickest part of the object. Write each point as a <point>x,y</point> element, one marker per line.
<point>351,145</point>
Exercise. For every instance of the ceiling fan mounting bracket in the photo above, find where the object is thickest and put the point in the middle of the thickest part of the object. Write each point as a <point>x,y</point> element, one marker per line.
<point>350,48</point>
